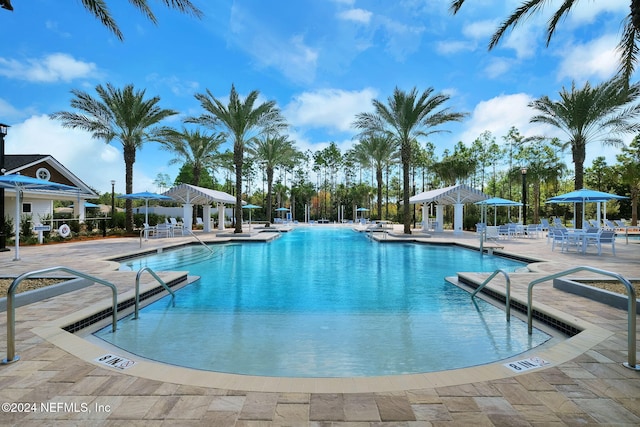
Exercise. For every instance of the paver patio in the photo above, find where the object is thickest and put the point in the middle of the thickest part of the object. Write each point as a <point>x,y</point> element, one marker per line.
<point>586,386</point>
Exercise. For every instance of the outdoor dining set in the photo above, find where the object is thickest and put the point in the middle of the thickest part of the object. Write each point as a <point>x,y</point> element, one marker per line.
<point>169,228</point>
<point>594,234</point>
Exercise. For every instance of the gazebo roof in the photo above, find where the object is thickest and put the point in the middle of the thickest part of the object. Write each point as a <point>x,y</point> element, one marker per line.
<point>188,193</point>
<point>454,194</point>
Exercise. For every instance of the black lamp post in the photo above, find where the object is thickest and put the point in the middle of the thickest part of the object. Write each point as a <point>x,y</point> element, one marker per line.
<point>113,204</point>
<point>524,195</point>
<point>3,237</point>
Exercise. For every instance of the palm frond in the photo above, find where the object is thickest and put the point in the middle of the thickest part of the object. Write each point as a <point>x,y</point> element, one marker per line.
<point>628,49</point>
<point>525,10</point>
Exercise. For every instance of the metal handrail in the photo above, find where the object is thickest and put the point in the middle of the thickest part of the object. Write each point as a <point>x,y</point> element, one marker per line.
<point>198,239</point>
<point>155,276</point>
<point>631,308</point>
<point>11,311</point>
<point>507,294</point>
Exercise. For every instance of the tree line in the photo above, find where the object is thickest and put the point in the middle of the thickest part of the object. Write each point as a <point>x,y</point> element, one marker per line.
<point>391,148</point>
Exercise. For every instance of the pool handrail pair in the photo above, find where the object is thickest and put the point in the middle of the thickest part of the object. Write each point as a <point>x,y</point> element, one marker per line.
<point>11,311</point>
<point>631,307</point>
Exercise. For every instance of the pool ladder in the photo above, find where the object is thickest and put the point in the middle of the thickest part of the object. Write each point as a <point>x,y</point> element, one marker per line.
<point>631,308</point>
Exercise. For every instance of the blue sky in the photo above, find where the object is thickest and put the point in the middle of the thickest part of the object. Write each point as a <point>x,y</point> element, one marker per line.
<point>322,61</point>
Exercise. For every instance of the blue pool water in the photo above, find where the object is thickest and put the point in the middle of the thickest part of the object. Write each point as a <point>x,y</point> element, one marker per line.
<point>323,302</point>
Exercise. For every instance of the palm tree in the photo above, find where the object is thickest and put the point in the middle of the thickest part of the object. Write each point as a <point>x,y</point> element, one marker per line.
<point>406,117</point>
<point>243,121</point>
<point>118,114</point>
<point>272,152</point>
<point>192,147</point>
<point>628,42</point>
<point>377,150</point>
<point>591,114</point>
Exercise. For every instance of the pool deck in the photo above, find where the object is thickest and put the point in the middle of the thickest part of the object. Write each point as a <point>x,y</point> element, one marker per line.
<point>585,383</point>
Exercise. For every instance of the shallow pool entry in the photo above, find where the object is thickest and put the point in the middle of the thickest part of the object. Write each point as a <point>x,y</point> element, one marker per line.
<point>323,302</point>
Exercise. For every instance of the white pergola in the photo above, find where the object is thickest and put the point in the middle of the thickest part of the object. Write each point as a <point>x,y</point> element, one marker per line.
<point>456,195</point>
<point>191,195</point>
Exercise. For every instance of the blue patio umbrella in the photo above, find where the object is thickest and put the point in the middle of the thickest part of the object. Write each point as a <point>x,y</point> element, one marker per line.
<point>146,196</point>
<point>19,183</point>
<point>496,201</point>
<point>583,196</point>
<point>250,207</point>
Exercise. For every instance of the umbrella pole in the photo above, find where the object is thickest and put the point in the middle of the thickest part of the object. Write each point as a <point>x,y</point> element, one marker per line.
<point>17,225</point>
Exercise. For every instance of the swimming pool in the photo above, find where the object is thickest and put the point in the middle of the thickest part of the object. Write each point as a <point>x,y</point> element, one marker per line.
<point>323,302</point>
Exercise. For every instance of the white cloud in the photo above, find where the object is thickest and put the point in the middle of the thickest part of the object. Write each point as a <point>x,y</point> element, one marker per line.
<point>357,15</point>
<point>480,30</point>
<point>292,57</point>
<point>498,115</point>
<point>497,67</point>
<point>451,47</point>
<point>334,109</point>
<point>586,12</point>
<point>51,68</point>
<point>91,160</point>
<point>524,40</point>
<point>598,58</point>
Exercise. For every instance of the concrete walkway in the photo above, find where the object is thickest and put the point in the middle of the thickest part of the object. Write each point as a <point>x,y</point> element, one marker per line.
<point>57,381</point>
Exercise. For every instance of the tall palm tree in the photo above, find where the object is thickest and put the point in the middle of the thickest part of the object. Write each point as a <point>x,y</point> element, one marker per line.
<point>405,117</point>
<point>377,150</point>
<point>242,120</point>
<point>591,114</point>
<point>192,147</point>
<point>117,114</point>
<point>273,151</point>
<point>627,46</point>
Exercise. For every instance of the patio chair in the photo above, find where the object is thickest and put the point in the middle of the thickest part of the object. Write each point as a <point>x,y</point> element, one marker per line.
<point>480,227</point>
<point>600,238</point>
<point>544,225</point>
<point>533,230</point>
<point>503,231</point>
<point>557,222</point>
<point>163,230</point>
<point>492,233</point>
<point>609,225</point>
<point>558,235</point>
<point>176,226</point>
<point>148,231</point>
<point>514,230</point>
